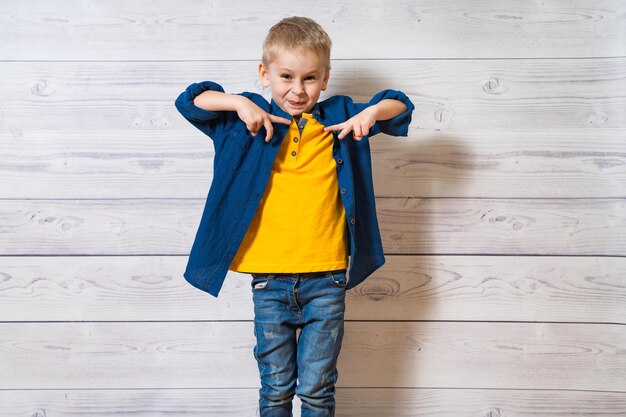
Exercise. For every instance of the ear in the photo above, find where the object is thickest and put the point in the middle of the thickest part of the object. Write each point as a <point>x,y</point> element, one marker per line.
<point>264,75</point>
<point>325,80</point>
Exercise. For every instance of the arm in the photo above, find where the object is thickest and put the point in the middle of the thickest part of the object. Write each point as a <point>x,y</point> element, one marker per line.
<point>388,109</point>
<point>252,115</point>
<point>360,124</point>
<point>213,100</point>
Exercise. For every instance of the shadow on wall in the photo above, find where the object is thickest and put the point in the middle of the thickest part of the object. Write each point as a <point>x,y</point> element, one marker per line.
<point>389,317</point>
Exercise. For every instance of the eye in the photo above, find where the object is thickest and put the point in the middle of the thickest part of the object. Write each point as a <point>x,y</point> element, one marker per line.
<point>310,78</point>
<point>285,76</point>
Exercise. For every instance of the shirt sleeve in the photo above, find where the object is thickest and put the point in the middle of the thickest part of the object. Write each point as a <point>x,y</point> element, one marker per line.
<point>212,123</point>
<point>397,126</point>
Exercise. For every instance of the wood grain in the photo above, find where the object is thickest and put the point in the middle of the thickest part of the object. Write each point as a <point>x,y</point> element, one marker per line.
<point>351,402</point>
<point>561,163</point>
<point>411,287</point>
<point>584,227</point>
<point>189,30</point>
<point>489,226</point>
<point>374,354</point>
<point>457,94</point>
<point>502,214</point>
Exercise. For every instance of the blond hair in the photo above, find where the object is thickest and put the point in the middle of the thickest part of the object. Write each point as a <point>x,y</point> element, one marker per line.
<point>293,33</point>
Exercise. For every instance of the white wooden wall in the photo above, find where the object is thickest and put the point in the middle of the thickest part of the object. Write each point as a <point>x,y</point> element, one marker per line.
<point>503,214</point>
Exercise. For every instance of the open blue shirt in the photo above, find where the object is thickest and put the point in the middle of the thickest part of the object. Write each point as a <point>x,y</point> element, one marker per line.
<point>242,168</point>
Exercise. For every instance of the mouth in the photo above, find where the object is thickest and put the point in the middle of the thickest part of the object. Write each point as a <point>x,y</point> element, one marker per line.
<point>295,103</point>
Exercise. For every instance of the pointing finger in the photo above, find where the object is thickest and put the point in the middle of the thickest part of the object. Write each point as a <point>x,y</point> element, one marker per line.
<point>279,119</point>
<point>334,127</point>
<point>344,132</point>
<point>269,128</point>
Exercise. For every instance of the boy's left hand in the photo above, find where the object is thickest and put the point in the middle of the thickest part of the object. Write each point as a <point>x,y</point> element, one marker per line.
<point>359,124</point>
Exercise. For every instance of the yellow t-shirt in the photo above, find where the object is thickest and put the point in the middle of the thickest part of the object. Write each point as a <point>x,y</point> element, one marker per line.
<point>300,224</point>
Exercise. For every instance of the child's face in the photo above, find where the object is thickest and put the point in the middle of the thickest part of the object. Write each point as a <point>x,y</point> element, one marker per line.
<point>296,79</point>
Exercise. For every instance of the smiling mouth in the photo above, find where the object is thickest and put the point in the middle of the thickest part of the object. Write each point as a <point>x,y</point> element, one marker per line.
<point>296,104</point>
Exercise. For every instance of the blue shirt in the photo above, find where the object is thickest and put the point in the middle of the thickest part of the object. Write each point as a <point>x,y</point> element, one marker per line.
<point>242,167</point>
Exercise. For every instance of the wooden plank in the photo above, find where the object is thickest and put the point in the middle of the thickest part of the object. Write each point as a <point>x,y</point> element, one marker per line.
<point>374,354</point>
<point>179,164</point>
<point>594,227</point>
<point>503,164</point>
<point>351,402</point>
<point>532,227</point>
<point>183,30</point>
<point>454,288</point>
<point>459,94</point>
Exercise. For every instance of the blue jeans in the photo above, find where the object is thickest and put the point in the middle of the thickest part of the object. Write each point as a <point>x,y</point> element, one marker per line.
<point>314,303</point>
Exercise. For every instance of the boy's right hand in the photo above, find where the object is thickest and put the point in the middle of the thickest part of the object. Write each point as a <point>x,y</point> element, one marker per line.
<point>255,117</point>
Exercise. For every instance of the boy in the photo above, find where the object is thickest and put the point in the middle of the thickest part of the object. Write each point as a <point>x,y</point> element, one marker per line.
<point>290,200</point>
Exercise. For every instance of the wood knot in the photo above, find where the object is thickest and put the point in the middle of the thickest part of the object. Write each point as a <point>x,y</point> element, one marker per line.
<point>443,113</point>
<point>496,412</point>
<point>492,86</point>
<point>41,89</point>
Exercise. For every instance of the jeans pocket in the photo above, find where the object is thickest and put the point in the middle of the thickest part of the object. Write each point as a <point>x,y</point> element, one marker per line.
<point>338,279</point>
<point>259,282</point>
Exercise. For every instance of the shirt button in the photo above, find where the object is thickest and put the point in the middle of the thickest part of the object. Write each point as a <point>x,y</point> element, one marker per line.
<point>340,161</point>
<point>353,221</point>
<point>343,191</point>
<point>293,153</point>
<point>295,139</point>
<point>230,255</point>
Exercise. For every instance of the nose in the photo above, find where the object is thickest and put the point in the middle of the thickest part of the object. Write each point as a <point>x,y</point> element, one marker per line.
<point>297,87</point>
